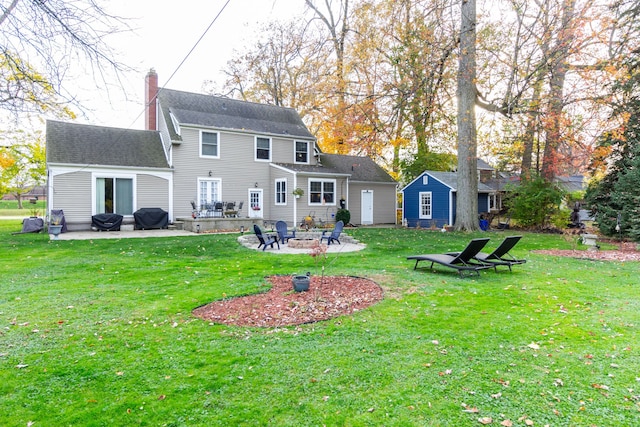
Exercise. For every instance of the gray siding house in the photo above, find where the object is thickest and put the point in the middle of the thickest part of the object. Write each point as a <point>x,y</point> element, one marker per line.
<point>203,149</point>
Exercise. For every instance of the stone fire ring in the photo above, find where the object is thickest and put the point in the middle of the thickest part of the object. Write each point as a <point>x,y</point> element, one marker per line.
<point>302,243</point>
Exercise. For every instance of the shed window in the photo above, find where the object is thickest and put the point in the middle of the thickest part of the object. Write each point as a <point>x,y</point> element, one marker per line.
<point>425,205</point>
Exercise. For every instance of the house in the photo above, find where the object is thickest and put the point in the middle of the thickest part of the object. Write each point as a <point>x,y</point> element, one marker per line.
<point>430,199</point>
<point>206,149</point>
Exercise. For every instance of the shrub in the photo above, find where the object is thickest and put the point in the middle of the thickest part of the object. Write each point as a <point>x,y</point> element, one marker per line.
<point>534,202</point>
<point>343,215</point>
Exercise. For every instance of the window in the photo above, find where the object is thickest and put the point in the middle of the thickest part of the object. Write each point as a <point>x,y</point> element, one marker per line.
<point>114,195</point>
<point>209,145</point>
<point>263,148</point>
<point>322,192</point>
<point>281,192</point>
<point>425,179</point>
<point>302,152</point>
<point>209,191</point>
<point>425,205</point>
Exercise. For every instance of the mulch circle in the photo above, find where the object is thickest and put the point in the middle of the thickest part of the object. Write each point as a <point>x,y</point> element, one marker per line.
<point>327,297</point>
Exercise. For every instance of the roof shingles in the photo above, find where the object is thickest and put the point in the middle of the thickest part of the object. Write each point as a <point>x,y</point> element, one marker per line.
<point>71,143</point>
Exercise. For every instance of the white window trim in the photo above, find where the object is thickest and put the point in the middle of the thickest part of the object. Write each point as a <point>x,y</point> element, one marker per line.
<point>275,192</point>
<point>96,175</point>
<point>420,215</point>
<point>295,152</point>
<point>322,203</point>
<point>425,179</point>
<point>204,156</point>
<point>255,149</point>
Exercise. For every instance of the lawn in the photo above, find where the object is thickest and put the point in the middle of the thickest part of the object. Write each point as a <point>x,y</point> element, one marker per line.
<point>100,332</point>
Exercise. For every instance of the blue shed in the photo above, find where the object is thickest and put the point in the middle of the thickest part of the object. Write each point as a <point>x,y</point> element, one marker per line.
<point>430,199</point>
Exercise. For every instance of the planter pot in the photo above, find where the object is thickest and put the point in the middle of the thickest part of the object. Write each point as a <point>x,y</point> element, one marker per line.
<point>55,230</point>
<point>301,283</point>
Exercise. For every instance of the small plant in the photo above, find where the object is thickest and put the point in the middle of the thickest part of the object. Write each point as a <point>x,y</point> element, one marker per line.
<point>319,253</point>
<point>55,219</point>
<point>34,212</point>
<point>298,192</point>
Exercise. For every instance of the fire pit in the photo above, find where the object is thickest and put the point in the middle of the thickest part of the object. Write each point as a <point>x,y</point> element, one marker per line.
<point>302,243</point>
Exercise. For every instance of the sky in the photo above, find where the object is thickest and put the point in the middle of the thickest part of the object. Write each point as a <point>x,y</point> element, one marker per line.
<point>165,32</point>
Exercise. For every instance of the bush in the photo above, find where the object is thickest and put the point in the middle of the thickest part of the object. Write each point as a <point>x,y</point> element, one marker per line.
<point>343,215</point>
<point>534,202</point>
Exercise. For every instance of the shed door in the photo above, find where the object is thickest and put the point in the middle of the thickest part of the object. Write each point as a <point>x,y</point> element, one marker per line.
<point>366,214</point>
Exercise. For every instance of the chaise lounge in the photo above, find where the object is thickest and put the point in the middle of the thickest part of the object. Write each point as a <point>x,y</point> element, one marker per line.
<point>463,261</point>
<point>501,255</point>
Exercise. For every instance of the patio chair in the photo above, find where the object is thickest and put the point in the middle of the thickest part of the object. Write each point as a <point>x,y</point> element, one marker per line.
<point>218,208</point>
<point>463,261</point>
<point>283,233</point>
<point>335,234</point>
<point>239,209</point>
<point>265,239</point>
<point>501,255</point>
<point>230,210</point>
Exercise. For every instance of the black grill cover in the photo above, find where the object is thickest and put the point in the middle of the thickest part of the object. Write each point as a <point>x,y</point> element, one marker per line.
<point>148,218</point>
<point>106,222</point>
<point>32,225</point>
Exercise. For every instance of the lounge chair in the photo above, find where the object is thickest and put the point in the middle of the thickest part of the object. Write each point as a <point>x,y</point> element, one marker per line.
<point>335,234</point>
<point>462,261</point>
<point>265,239</point>
<point>501,255</point>
<point>283,233</point>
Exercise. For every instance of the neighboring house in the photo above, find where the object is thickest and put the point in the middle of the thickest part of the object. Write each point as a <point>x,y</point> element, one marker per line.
<point>430,199</point>
<point>204,149</point>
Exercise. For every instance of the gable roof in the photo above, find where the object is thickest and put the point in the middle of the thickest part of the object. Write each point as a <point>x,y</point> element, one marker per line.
<point>361,169</point>
<point>72,143</point>
<point>450,179</point>
<point>357,168</point>
<point>482,165</point>
<point>231,114</point>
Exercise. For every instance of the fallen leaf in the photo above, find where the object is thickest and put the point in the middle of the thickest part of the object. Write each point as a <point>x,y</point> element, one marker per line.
<point>507,423</point>
<point>485,420</point>
<point>534,346</point>
<point>162,397</point>
<point>21,366</point>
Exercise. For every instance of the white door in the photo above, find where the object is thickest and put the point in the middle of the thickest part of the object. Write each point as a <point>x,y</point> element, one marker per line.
<point>366,214</point>
<point>255,203</point>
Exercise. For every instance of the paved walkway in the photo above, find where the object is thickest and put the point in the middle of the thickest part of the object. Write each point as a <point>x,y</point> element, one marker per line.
<point>284,249</point>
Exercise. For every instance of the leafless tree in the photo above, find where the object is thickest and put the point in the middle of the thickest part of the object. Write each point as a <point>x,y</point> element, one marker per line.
<point>39,43</point>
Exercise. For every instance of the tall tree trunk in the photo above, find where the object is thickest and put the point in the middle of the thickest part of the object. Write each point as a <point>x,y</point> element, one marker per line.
<point>530,131</point>
<point>467,192</point>
<point>558,69</point>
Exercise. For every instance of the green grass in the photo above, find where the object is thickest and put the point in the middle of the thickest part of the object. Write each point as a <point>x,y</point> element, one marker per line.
<point>100,333</point>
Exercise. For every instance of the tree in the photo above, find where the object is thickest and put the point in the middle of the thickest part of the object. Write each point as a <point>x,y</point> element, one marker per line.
<point>41,40</point>
<point>467,191</point>
<point>22,165</point>
<point>615,198</point>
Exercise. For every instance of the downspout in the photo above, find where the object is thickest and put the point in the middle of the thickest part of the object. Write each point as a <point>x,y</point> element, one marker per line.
<point>451,207</point>
<point>295,200</point>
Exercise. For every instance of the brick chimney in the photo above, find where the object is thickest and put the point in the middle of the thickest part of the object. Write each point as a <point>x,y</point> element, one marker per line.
<point>150,94</point>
